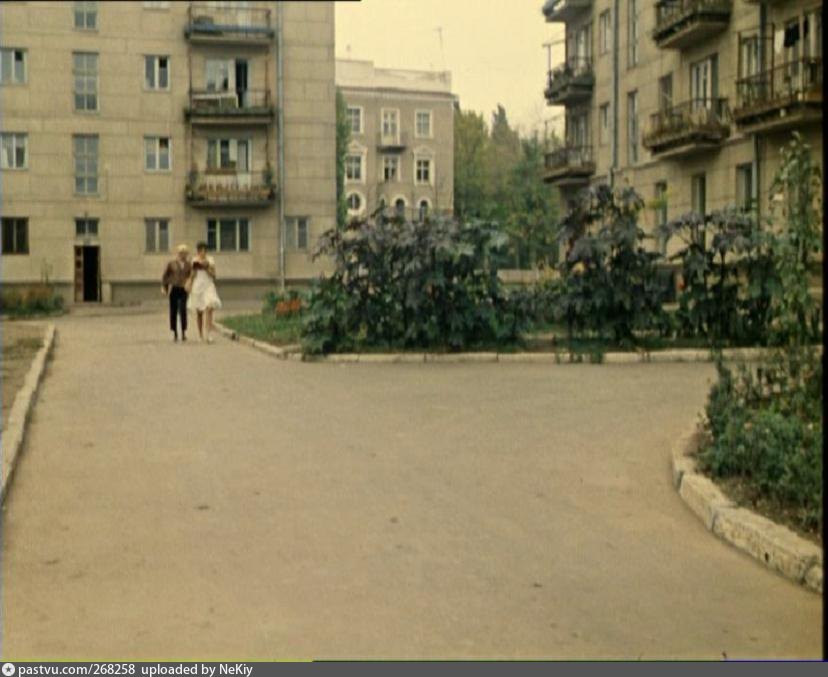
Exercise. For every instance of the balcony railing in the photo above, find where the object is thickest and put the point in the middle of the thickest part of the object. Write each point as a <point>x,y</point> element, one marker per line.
<point>570,82</point>
<point>227,24</point>
<point>394,141</point>
<point>688,127</point>
<point>564,10</point>
<point>215,188</point>
<point>251,103</point>
<point>569,165</point>
<point>681,23</point>
<point>780,97</point>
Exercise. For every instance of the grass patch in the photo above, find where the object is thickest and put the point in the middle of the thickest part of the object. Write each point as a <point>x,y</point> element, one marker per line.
<point>267,327</point>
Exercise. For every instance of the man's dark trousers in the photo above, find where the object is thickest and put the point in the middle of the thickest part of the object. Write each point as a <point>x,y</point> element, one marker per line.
<point>178,306</point>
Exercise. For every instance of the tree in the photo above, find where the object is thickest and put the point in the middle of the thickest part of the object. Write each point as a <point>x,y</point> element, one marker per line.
<point>343,138</point>
<point>503,154</point>
<point>471,139</point>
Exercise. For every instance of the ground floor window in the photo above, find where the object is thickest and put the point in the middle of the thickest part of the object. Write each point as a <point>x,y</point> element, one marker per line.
<point>228,235</point>
<point>86,227</point>
<point>399,207</point>
<point>424,208</point>
<point>157,234</point>
<point>15,235</point>
<point>355,203</point>
<point>744,186</point>
<point>298,232</point>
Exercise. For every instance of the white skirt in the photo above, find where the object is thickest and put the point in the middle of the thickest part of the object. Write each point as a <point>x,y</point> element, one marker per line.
<point>203,294</point>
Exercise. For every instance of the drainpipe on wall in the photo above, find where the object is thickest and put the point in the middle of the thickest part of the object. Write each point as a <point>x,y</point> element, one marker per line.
<point>280,135</point>
<point>615,78</point>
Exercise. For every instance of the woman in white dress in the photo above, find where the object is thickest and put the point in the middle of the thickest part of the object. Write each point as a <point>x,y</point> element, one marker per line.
<point>203,295</point>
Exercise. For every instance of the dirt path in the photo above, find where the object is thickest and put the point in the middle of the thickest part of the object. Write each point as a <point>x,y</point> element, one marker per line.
<point>196,501</point>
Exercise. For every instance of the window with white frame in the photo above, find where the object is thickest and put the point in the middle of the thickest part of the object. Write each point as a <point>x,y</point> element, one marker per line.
<point>704,82</point>
<point>632,33</point>
<point>423,124</point>
<point>228,235</point>
<point>156,72</point>
<point>297,232</point>
<point>355,119</point>
<point>157,153</point>
<point>632,127</point>
<point>15,235</point>
<point>12,66</point>
<point>14,147</point>
<point>390,168</point>
<point>353,168</point>
<point>157,235</point>
<point>423,173</point>
<point>86,164</point>
<point>355,203</point>
<point>86,16</point>
<point>225,154</point>
<point>603,124</point>
<point>85,72</point>
<point>220,75</point>
<point>390,123</point>
<point>86,227</point>
<point>604,32</point>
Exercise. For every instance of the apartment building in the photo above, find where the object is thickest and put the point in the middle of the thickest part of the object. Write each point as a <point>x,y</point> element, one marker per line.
<point>687,101</point>
<point>401,154</point>
<point>130,127</point>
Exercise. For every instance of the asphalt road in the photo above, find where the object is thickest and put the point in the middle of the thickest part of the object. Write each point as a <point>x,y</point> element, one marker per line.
<point>209,502</point>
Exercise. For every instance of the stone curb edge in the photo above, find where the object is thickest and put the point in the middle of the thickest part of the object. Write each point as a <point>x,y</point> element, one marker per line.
<point>665,356</point>
<point>776,546</point>
<point>14,435</point>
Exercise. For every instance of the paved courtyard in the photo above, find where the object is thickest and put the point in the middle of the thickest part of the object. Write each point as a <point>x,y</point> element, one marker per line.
<point>194,502</point>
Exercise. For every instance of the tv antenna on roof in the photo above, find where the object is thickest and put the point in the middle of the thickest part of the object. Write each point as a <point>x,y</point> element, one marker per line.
<point>439,31</point>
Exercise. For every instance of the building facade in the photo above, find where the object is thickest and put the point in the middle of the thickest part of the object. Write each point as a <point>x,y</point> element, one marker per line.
<point>130,127</point>
<point>401,153</point>
<point>687,101</point>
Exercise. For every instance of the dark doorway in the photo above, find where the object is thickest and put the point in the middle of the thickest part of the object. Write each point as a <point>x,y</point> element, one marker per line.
<point>87,274</point>
<point>241,83</point>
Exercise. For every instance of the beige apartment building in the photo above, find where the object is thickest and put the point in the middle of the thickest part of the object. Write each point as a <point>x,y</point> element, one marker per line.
<point>687,101</point>
<point>401,154</point>
<point>130,127</point>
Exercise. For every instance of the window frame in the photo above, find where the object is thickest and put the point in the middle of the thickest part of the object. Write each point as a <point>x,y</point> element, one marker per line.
<point>745,170</point>
<point>14,222</point>
<point>396,117</point>
<point>11,53</point>
<point>86,232</point>
<point>85,9</point>
<point>86,75</point>
<point>349,158</point>
<point>214,164</point>
<point>603,124</point>
<point>633,131</point>
<point>86,175</point>
<point>417,180</point>
<point>216,224</point>
<point>604,32</point>
<point>157,154</point>
<point>430,114</point>
<point>157,5</point>
<point>394,159</point>
<point>156,72</point>
<point>360,110</point>
<point>15,137</point>
<point>156,223</point>
<point>293,240</point>
<point>632,34</point>
<point>698,181</point>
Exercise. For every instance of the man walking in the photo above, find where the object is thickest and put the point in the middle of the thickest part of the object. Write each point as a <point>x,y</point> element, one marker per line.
<point>174,285</point>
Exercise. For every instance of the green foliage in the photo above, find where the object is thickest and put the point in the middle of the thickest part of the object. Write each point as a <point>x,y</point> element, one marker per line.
<point>343,138</point>
<point>403,284</point>
<point>610,281</point>
<point>279,330</point>
<point>40,299</point>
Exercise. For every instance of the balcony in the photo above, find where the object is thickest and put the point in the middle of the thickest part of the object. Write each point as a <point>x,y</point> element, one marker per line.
<point>565,10</point>
<point>570,83</point>
<point>250,107</point>
<point>569,166</point>
<point>780,98</point>
<point>216,25</point>
<point>219,188</point>
<point>395,143</point>
<point>682,23</point>
<point>687,128</point>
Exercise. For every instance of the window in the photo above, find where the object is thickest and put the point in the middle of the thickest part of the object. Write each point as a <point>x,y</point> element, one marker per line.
<point>157,233</point>
<point>85,70</point>
<point>603,124</point>
<point>15,236</point>
<point>399,207</point>
<point>632,127</point>
<point>355,119</point>
<point>298,232</point>
<point>665,92</point>
<point>660,212</point>
<point>390,168</point>
<point>744,186</point>
<point>390,123</point>
<point>632,34</point>
<point>604,32</point>
<point>423,173</point>
<point>12,66</point>
<point>424,209</point>
<point>423,124</point>
<point>86,164</point>
<point>157,4</point>
<point>354,201</point>
<point>86,227</point>
<point>86,15</point>
<point>220,75</point>
<point>156,72</point>
<point>749,56</point>
<point>157,153</point>
<point>577,130</point>
<point>14,150</point>
<point>704,83</point>
<point>228,154</point>
<point>353,168</point>
<point>699,194</point>
<point>228,235</point>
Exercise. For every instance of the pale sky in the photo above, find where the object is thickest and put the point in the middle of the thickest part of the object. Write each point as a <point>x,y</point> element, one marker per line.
<point>493,48</point>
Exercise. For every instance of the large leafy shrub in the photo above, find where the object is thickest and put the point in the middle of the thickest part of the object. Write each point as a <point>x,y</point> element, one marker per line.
<point>611,286</point>
<point>403,284</point>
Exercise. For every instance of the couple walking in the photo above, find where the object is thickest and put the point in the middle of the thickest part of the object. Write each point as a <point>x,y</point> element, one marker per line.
<point>193,284</point>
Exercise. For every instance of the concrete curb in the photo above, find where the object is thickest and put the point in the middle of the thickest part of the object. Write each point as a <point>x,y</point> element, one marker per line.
<point>14,435</point>
<point>293,352</point>
<point>776,546</point>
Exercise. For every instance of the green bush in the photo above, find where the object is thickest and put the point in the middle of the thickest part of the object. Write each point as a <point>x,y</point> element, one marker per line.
<point>37,300</point>
<point>403,284</point>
